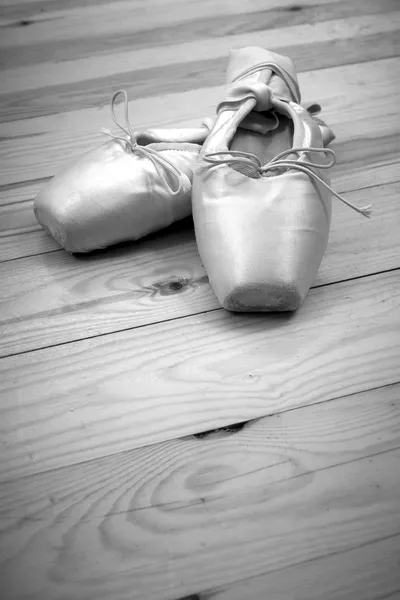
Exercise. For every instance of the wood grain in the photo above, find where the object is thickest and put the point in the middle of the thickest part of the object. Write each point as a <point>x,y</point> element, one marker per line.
<point>370,572</point>
<point>21,192</point>
<point>38,147</point>
<point>110,19</point>
<point>149,83</point>
<point>114,357</point>
<point>58,298</point>
<point>133,388</point>
<point>236,29</point>
<point>190,65</point>
<point>163,522</point>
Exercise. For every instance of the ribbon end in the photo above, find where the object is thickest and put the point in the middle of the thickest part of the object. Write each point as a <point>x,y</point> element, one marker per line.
<point>366,211</point>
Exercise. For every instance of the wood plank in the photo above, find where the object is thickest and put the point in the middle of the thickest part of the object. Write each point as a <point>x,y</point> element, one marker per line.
<point>38,147</point>
<point>366,161</point>
<point>21,234</point>
<point>302,504</point>
<point>340,48</point>
<point>163,522</point>
<point>293,41</point>
<point>271,17</point>
<point>130,389</point>
<point>332,87</point>
<point>59,298</point>
<point>370,572</point>
<point>21,192</point>
<point>113,18</point>
<point>164,80</point>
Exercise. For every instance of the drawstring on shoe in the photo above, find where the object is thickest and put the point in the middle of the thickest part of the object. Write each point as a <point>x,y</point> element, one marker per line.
<point>237,157</point>
<point>157,160</point>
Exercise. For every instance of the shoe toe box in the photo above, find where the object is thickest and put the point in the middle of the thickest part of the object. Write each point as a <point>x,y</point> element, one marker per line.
<point>107,197</point>
<point>261,244</point>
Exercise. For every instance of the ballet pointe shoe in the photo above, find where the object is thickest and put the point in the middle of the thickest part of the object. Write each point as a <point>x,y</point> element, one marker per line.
<point>262,201</point>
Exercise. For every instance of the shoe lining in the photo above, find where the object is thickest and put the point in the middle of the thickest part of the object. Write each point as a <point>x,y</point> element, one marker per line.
<point>264,146</point>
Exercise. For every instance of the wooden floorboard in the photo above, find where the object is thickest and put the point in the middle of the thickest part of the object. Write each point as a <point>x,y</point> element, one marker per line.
<point>89,81</point>
<point>38,147</point>
<point>69,20</point>
<point>58,298</point>
<point>152,445</point>
<point>170,379</point>
<point>350,574</point>
<point>264,23</point>
<point>284,490</point>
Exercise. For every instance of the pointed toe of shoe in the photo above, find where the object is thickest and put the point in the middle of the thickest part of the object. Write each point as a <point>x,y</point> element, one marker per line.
<point>272,272</point>
<point>261,242</point>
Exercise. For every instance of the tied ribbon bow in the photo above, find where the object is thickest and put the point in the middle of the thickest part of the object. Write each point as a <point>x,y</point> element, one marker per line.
<point>280,161</point>
<point>163,166</point>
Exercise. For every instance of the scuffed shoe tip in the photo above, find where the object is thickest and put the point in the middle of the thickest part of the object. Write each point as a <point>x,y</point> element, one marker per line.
<point>265,297</point>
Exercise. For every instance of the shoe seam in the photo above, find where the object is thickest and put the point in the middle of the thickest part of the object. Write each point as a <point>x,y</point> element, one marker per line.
<point>176,150</point>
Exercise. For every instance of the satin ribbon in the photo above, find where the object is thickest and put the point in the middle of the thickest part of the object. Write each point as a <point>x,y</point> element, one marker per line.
<point>275,68</point>
<point>237,157</point>
<point>157,160</point>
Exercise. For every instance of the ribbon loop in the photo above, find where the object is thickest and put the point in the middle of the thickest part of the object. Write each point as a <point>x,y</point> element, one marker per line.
<point>128,130</point>
<point>162,165</point>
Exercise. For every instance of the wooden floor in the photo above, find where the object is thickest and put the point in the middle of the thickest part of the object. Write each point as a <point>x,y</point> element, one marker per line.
<point>110,363</point>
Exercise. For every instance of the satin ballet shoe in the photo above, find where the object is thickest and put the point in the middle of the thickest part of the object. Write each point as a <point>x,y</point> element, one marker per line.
<point>262,201</point>
<point>130,186</point>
